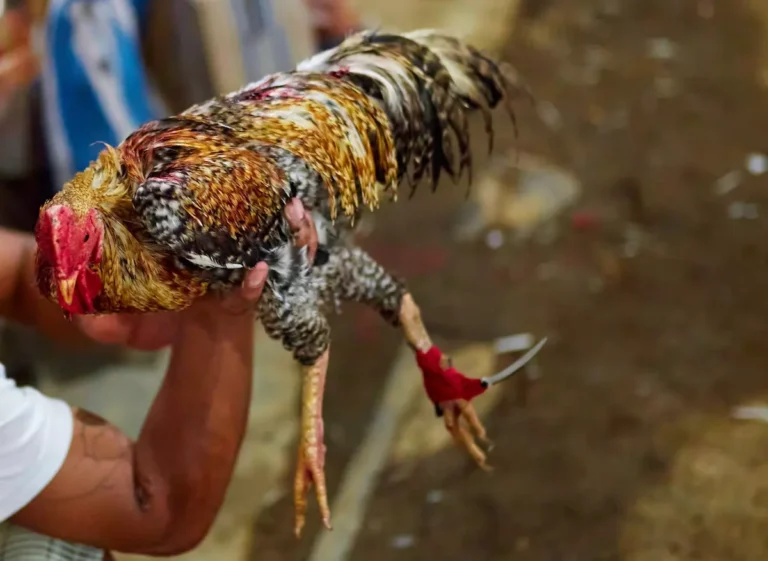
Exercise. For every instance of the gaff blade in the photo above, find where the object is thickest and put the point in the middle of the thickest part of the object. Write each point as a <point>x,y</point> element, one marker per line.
<point>515,366</point>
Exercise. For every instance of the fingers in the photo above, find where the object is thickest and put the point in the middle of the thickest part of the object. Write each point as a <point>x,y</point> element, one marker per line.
<point>244,300</point>
<point>109,330</point>
<point>146,332</point>
<point>302,226</point>
<point>151,332</point>
<point>254,282</point>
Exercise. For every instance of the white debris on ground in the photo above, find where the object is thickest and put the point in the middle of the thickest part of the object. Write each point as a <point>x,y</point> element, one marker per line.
<point>739,210</point>
<point>661,48</point>
<point>550,115</point>
<point>435,496</point>
<point>494,238</point>
<point>757,164</point>
<point>751,413</point>
<point>728,182</point>
<point>403,541</point>
<point>514,343</point>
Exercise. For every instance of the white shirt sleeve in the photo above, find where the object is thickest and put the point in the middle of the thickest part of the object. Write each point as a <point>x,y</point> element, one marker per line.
<point>35,435</point>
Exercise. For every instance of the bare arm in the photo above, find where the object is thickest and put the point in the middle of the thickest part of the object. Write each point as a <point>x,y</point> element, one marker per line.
<point>20,300</point>
<point>159,495</point>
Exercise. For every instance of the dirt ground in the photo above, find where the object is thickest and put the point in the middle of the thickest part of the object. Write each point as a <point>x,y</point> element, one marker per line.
<point>627,448</point>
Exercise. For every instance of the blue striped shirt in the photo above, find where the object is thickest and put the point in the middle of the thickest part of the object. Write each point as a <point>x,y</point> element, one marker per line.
<point>95,86</point>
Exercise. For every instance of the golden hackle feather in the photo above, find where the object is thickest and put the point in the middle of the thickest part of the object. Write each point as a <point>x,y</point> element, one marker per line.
<point>337,129</point>
<point>137,278</point>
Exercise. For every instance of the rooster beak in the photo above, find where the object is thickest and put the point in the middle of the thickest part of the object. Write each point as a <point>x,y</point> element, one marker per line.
<point>67,289</point>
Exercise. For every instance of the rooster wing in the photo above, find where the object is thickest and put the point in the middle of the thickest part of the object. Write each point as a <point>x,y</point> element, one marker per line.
<point>202,196</point>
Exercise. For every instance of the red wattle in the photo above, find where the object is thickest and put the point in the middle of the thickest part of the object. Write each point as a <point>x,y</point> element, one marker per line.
<point>445,384</point>
<point>88,288</point>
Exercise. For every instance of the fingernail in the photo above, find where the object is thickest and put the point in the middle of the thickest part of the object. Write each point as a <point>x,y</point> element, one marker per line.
<point>255,280</point>
<point>258,276</point>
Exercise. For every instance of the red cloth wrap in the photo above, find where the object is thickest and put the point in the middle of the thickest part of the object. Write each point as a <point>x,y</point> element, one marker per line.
<point>445,384</point>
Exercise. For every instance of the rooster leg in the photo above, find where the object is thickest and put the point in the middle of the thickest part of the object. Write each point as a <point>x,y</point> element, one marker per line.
<point>311,456</point>
<point>352,274</point>
<point>296,319</point>
<point>457,411</point>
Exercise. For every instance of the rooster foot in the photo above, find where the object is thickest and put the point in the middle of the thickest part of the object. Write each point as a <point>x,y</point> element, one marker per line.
<point>462,422</point>
<point>310,468</point>
<point>452,392</point>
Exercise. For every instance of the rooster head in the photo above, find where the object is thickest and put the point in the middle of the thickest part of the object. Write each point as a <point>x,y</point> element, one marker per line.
<point>70,246</point>
<point>71,230</point>
<point>70,236</point>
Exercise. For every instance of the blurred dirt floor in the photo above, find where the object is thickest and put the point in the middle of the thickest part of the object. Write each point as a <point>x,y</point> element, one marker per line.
<point>651,286</point>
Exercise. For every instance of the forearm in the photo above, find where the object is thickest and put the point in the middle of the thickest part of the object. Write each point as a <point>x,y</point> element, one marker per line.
<point>191,438</point>
<point>160,494</point>
<point>19,298</point>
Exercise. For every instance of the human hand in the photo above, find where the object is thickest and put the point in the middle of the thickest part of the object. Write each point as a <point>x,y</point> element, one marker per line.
<point>19,65</point>
<point>332,20</point>
<point>150,332</point>
<point>302,226</point>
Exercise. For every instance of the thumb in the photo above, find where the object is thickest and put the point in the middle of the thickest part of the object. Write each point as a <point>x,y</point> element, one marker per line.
<point>254,282</point>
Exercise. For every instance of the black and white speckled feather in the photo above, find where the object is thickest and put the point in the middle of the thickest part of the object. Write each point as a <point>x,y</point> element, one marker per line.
<point>298,317</point>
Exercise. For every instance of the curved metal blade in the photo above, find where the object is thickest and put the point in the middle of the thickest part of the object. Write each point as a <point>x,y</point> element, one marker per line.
<point>515,366</point>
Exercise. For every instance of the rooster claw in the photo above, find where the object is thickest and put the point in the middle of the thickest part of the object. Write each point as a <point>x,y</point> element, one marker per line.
<point>465,427</point>
<point>309,471</point>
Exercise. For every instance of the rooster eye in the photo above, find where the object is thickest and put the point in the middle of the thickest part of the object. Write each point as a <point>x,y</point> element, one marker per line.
<point>87,237</point>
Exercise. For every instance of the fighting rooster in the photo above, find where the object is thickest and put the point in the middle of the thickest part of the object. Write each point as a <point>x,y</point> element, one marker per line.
<point>185,205</point>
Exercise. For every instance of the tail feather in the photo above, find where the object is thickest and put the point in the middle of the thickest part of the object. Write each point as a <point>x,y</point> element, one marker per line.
<point>479,80</point>
<point>427,83</point>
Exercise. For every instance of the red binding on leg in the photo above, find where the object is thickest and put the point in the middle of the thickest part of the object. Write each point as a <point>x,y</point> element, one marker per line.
<point>445,384</point>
